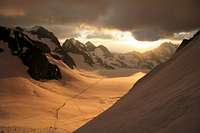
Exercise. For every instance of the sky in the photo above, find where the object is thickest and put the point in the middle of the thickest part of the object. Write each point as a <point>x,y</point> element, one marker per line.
<point>121,25</point>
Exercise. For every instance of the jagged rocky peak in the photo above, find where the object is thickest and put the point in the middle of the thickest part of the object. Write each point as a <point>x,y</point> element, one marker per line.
<point>101,57</point>
<point>166,100</point>
<point>31,52</point>
<point>106,52</point>
<point>44,36</point>
<point>90,46</point>
<point>44,33</point>
<point>73,45</point>
<point>41,34</point>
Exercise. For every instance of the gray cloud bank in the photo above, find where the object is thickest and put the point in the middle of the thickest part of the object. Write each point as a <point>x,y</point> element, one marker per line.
<point>148,20</point>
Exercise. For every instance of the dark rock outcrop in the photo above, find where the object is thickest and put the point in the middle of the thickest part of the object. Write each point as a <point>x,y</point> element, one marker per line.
<point>74,46</point>
<point>32,53</point>
<point>1,50</point>
<point>42,35</point>
<point>4,33</point>
<point>65,57</point>
<point>90,46</point>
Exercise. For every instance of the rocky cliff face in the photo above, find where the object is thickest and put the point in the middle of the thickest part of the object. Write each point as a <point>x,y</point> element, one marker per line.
<point>42,35</point>
<point>31,52</point>
<point>76,47</point>
<point>94,57</point>
<point>90,46</point>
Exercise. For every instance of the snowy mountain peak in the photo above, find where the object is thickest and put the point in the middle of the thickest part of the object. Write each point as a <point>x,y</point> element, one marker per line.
<point>166,100</point>
<point>94,56</point>
<point>76,47</point>
<point>32,53</point>
<point>106,52</point>
<point>90,46</point>
<point>73,45</point>
<point>40,34</point>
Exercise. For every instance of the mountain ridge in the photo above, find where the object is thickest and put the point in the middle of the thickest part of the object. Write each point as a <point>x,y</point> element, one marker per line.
<point>70,52</point>
<point>100,57</point>
<point>166,106</point>
<point>31,52</point>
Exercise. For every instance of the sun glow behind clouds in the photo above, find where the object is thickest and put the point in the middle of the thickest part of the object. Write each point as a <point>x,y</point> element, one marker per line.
<point>115,40</point>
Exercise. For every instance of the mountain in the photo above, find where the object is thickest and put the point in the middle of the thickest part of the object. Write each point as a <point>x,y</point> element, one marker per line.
<point>89,56</point>
<point>159,55</point>
<point>76,47</point>
<point>31,52</point>
<point>90,46</point>
<point>105,52</point>
<point>44,36</point>
<point>104,58</point>
<point>166,100</point>
<point>34,47</point>
<point>50,106</point>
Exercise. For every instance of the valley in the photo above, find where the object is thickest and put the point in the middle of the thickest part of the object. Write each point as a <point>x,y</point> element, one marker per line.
<point>99,66</point>
<point>47,87</point>
<point>57,105</point>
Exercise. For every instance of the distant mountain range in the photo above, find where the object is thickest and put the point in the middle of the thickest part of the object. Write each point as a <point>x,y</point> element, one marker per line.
<point>166,100</point>
<point>34,45</point>
<point>89,56</point>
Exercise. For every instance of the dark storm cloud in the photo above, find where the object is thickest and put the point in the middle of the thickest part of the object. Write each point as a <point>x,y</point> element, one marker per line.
<point>62,31</point>
<point>51,12</point>
<point>154,19</point>
<point>147,19</point>
<point>100,35</point>
<point>151,34</point>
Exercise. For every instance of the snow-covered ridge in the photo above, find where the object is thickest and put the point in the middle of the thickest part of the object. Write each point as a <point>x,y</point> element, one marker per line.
<point>41,34</point>
<point>31,52</point>
<point>100,57</point>
<point>166,100</point>
<point>95,57</point>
